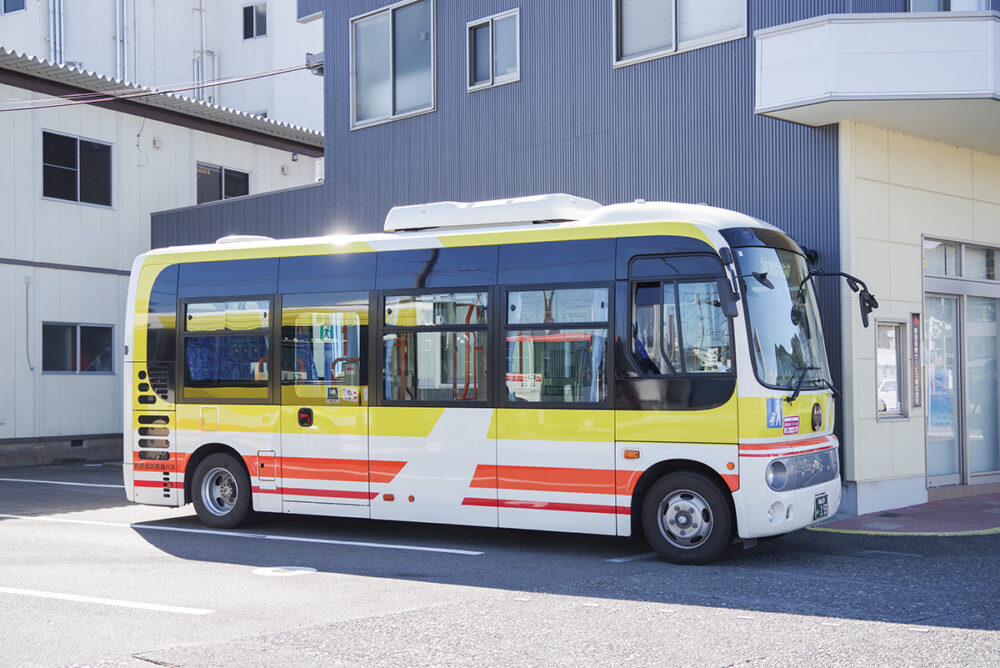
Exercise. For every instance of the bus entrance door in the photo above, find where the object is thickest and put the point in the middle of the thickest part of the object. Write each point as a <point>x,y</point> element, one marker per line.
<point>324,397</point>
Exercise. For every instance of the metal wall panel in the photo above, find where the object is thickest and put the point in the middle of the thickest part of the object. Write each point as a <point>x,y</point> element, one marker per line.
<point>678,128</point>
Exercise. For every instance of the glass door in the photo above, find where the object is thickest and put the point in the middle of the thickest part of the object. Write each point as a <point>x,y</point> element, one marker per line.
<point>944,442</point>
<point>983,410</point>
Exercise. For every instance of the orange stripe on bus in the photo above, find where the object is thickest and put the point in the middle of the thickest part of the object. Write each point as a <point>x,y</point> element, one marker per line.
<point>625,482</point>
<point>545,479</point>
<point>823,440</point>
<point>733,480</point>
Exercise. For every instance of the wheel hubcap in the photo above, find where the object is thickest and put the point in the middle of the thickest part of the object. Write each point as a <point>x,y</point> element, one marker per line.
<point>219,491</point>
<point>685,519</point>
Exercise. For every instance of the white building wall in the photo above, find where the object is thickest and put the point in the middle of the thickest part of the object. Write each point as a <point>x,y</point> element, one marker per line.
<point>33,229</point>
<point>895,189</point>
<point>163,38</point>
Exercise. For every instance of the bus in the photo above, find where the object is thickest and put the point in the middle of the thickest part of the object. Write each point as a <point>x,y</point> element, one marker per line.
<point>534,363</point>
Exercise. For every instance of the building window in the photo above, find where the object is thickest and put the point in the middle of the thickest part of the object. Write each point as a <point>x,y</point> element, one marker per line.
<point>652,28</point>
<point>76,348</point>
<point>493,45</point>
<point>215,183</point>
<point>77,170</point>
<point>889,377</point>
<point>255,21</point>
<point>948,5</point>
<point>392,63</point>
<point>950,259</point>
<point>7,6</point>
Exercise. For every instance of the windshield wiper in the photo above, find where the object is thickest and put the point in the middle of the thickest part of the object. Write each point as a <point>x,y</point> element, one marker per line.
<point>798,384</point>
<point>825,383</point>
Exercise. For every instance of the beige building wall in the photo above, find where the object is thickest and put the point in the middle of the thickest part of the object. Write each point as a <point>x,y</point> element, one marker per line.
<point>153,169</point>
<point>895,190</point>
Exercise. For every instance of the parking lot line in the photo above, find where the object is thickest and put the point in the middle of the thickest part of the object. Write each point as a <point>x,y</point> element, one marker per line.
<point>59,482</point>
<point>105,601</point>
<point>257,536</point>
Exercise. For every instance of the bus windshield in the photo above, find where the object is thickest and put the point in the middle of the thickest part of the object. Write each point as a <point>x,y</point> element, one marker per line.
<point>785,333</point>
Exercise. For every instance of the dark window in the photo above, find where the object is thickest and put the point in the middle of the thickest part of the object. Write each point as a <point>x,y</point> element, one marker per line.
<point>228,277</point>
<point>227,350</point>
<point>254,21</point>
<point>77,170</point>
<point>556,342</point>
<point>318,273</point>
<point>437,267</point>
<point>77,348</point>
<point>324,339</point>
<point>215,183</point>
<point>435,347</point>
<point>12,5</point>
<point>493,50</point>
<point>557,261</point>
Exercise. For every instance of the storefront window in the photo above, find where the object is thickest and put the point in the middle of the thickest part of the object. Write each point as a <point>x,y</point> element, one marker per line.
<point>889,375</point>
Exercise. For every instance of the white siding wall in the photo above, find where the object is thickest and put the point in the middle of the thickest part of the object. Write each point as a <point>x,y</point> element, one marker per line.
<point>144,179</point>
<point>164,36</point>
<point>894,189</point>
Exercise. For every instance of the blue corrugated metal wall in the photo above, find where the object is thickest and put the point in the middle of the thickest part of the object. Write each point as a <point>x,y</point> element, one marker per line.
<point>675,128</point>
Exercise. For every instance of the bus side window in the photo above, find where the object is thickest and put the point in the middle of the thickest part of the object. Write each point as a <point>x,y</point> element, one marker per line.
<point>324,348</point>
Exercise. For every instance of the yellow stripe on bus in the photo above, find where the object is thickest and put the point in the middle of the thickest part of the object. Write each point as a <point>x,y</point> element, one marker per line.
<point>715,425</point>
<point>413,421</point>
<point>555,424</point>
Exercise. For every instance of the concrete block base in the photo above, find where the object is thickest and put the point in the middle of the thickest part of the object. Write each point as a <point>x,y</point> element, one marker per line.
<point>872,496</point>
<point>60,451</point>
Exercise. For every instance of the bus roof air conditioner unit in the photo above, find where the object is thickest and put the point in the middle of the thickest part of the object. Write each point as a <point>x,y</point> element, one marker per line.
<point>514,211</point>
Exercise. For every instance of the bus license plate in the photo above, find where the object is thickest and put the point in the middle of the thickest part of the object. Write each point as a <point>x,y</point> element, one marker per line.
<point>822,507</point>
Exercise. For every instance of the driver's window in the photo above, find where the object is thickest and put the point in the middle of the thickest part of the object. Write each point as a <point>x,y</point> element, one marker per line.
<point>679,327</point>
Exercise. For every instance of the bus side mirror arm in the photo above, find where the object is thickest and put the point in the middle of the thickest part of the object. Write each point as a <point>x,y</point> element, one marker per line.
<point>866,300</point>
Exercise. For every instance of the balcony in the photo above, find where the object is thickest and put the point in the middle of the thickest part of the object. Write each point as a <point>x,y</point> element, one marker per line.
<point>932,75</point>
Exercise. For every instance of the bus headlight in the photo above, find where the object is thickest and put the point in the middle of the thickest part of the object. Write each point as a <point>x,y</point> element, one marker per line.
<point>813,468</point>
<point>776,475</point>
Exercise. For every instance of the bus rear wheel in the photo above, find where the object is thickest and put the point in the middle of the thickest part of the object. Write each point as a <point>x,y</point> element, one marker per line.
<point>221,492</point>
<point>687,518</point>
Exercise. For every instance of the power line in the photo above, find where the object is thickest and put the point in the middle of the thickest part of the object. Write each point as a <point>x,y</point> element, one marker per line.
<point>132,93</point>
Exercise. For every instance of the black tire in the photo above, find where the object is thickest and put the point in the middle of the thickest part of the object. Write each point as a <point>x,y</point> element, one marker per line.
<point>687,518</point>
<point>221,492</point>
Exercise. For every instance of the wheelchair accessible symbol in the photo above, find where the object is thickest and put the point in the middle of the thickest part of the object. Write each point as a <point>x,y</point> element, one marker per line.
<point>774,414</point>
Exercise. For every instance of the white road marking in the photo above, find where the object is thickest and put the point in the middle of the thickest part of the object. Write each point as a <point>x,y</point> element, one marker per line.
<point>259,536</point>
<point>283,571</point>
<point>58,482</point>
<point>104,601</point>
<point>635,557</point>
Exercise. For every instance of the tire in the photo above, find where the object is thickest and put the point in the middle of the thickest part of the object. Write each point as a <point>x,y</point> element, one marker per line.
<point>692,504</point>
<point>221,492</point>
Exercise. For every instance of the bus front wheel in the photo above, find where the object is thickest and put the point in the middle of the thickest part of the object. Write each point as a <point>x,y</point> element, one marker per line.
<point>687,519</point>
<point>221,492</point>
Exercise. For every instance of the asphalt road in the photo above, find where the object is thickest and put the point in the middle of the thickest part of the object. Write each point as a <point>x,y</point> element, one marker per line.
<point>87,578</point>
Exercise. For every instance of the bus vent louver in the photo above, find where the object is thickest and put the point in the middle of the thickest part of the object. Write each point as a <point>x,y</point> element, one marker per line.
<point>159,380</point>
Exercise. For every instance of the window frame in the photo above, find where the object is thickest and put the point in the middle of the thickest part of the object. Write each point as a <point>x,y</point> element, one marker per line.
<point>222,184</point>
<point>504,327</point>
<point>352,70</point>
<point>377,362</point>
<point>689,45</point>
<point>4,10</point>
<point>256,33</point>
<point>902,335</point>
<point>77,327</point>
<point>494,80</point>
<point>273,332</point>
<point>962,272</point>
<point>77,139</point>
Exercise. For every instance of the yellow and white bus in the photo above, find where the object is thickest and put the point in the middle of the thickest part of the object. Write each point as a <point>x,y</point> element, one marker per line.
<point>536,363</point>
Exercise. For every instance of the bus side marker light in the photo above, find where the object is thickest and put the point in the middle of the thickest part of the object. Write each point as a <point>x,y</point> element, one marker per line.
<point>411,498</point>
<point>388,497</point>
<point>730,466</point>
<point>631,454</point>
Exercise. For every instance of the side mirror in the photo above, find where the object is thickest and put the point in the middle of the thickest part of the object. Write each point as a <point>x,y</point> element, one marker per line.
<point>727,297</point>
<point>868,303</point>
